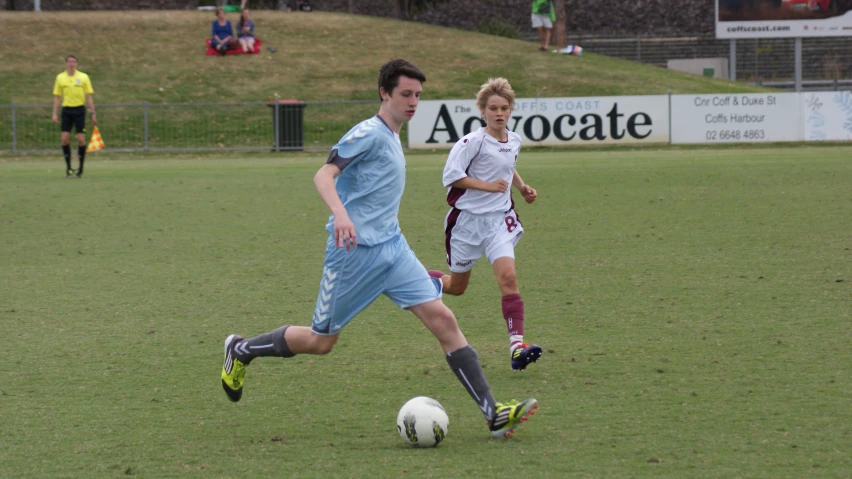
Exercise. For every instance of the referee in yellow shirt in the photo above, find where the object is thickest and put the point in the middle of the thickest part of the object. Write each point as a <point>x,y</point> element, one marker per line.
<point>74,90</point>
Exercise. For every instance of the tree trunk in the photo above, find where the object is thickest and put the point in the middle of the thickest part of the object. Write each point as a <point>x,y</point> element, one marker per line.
<point>351,6</point>
<point>403,9</point>
<point>561,23</point>
<point>10,4</point>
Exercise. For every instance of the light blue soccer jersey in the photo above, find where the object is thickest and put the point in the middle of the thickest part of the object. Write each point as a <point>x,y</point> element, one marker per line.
<point>372,180</point>
<point>370,186</point>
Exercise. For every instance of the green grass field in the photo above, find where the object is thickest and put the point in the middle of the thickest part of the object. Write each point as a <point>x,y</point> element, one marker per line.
<point>694,305</point>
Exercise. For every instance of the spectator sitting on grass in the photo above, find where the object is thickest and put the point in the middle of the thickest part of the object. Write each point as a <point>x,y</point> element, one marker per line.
<point>245,32</point>
<point>223,32</point>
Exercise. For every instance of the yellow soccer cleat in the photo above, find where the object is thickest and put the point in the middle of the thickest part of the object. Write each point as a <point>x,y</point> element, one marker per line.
<point>233,370</point>
<point>510,415</point>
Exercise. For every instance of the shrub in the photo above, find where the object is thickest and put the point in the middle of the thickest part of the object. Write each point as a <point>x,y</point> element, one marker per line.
<point>493,26</point>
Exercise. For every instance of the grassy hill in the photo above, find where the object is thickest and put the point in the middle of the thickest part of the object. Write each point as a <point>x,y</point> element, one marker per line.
<point>158,57</point>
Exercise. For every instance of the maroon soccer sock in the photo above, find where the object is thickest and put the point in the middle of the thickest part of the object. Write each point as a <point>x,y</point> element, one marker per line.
<point>436,280</point>
<point>436,274</point>
<point>513,313</point>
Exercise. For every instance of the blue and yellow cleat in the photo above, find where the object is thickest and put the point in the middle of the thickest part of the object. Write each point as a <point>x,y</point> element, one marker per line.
<point>524,355</point>
<point>233,370</point>
<point>511,415</point>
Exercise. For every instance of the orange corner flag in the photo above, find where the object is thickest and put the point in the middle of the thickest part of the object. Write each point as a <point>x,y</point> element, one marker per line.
<point>96,143</point>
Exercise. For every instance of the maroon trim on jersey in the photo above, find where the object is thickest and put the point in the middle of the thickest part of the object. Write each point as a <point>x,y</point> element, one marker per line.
<point>451,223</point>
<point>455,193</point>
<point>512,208</point>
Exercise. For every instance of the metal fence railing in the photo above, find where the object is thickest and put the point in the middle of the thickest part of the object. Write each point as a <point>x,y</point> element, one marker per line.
<point>826,59</point>
<point>193,126</point>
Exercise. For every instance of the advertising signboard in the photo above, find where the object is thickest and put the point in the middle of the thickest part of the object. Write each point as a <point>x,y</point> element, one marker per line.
<point>827,116</point>
<point>736,118</point>
<point>783,18</point>
<point>549,121</point>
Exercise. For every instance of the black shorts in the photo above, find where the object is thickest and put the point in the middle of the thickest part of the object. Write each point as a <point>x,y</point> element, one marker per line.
<point>75,115</point>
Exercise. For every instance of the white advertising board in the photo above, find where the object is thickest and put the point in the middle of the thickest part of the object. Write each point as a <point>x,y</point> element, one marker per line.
<point>827,116</point>
<point>736,118</point>
<point>783,18</point>
<point>548,121</point>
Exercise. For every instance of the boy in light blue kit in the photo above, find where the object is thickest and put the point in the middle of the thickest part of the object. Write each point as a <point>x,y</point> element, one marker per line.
<point>366,255</point>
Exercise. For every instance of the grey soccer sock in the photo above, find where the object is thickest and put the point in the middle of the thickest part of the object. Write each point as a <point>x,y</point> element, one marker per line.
<point>465,364</point>
<point>266,344</point>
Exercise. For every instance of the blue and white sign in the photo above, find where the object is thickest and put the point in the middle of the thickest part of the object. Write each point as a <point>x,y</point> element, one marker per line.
<point>827,116</point>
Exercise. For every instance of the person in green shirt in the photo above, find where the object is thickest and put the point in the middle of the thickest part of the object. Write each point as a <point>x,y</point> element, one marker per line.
<point>543,16</point>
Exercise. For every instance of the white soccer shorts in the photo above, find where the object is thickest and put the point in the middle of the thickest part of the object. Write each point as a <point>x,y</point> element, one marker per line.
<point>471,236</point>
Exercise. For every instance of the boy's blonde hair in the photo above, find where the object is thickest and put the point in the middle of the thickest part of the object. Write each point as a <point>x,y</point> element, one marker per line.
<point>495,86</point>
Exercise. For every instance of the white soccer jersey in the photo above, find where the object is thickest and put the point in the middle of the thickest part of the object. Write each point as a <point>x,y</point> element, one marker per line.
<point>480,156</point>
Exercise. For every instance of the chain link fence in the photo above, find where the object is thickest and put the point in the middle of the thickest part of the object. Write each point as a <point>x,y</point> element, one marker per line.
<point>826,62</point>
<point>310,126</point>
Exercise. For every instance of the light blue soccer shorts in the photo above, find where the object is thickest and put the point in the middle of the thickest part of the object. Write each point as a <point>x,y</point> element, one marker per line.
<point>352,280</point>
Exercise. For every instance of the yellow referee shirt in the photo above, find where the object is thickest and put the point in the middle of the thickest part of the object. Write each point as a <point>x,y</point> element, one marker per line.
<point>73,88</point>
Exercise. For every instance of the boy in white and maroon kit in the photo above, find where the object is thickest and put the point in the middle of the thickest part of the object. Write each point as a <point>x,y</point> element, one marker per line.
<point>479,172</point>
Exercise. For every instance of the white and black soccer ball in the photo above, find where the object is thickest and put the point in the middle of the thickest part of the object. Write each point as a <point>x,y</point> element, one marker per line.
<point>422,422</point>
